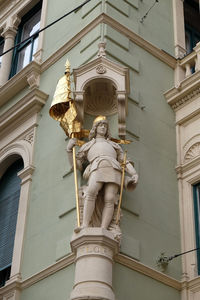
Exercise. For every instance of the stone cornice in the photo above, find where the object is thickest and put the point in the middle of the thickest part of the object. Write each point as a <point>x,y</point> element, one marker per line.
<point>145,270</point>
<point>20,81</point>
<point>189,88</point>
<point>188,168</point>
<point>135,38</point>
<point>61,264</point>
<point>70,259</point>
<point>30,75</point>
<point>23,109</point>
<point>103,18</point>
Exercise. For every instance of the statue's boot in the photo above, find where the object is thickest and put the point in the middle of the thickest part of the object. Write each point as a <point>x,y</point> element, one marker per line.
<point>88,209</point>
<point>107,214</point>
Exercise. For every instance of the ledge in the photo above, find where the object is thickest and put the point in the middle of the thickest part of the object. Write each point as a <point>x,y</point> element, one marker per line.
<point>70,259</point>
<point>145,270</point>
<point>187,90</point>
<point>27,76</point>
<point>23,109</point>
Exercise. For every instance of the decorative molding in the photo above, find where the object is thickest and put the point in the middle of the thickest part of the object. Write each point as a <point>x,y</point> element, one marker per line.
<point>105,92</point>
<point>29,137</point>
<point>20,148</point>
<point>100,69</point>
<point>12,8</point>
<point>59,265</point>
<point>22,110</point>
<point>188,89</point>
<point>70,259</point>
<point>145,270</point>
<point>188,169</point>
<point>103,18</point>
<point>193,152</point>
<point>34,69</point>
<point>33,79</point>
<point>9,290</point>
<point>135,38</point>
<point>186,99</point>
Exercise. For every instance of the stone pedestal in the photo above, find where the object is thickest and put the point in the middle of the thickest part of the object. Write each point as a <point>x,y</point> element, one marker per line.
<point>94,249</point>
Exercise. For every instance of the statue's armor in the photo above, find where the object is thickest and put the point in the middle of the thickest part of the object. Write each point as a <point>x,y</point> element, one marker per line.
<point>102,157</point>
<point>101,148</point>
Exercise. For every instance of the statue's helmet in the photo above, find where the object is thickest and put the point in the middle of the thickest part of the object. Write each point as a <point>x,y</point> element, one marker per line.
<point>98,119</point>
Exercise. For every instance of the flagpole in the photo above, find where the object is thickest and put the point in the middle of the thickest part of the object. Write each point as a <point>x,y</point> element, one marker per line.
<point>121,187</point>
<point>76,185</point>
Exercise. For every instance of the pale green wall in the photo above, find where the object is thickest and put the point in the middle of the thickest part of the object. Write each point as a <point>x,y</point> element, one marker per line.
<point>147,229</point>
<point>129,284</point>
<point>157,28</point>
<point>55,287</point>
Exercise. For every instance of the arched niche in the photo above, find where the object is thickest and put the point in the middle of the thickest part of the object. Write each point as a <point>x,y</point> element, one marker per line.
<point>100,97</point>
<point>101,87</point>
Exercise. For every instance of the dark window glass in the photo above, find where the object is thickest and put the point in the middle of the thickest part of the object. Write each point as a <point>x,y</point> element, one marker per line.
<point>1,48</point>
<point>192,23</point>
<point>9,199</point>
<point>29,25</point>
<point>196,191</point>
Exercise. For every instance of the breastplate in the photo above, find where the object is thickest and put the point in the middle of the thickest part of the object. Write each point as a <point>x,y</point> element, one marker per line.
<point>99,149</point>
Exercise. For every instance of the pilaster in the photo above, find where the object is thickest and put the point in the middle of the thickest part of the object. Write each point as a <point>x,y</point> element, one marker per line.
<point>9,34</point>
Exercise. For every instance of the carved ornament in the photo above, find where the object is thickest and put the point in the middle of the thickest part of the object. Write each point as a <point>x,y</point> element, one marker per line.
<point>193,152</point>
<point>100,69</point>
<point>185,99</point>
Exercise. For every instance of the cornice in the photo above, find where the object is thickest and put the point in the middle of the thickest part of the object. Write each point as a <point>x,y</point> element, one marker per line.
<point>189,88</point>
<point>135,38</point>
<point>23,109</point>
<point>70,44</point>
<point>189,168</point>
<point>145,270</point>
<point>103,18</point>
<point>20,81</point>
<point>30,75</point>
<point>61,264</point>
<point>70,259</point>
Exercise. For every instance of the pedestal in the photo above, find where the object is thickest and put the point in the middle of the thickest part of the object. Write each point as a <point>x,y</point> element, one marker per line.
<point>94,249</point>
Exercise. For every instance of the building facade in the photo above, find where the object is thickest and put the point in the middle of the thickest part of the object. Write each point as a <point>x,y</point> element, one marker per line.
<point>147,84</point>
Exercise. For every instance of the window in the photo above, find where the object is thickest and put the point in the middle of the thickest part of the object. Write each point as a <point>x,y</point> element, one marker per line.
<point>196,192</point>
<point>192,24</point>
<point>9,200</point>
<point>23,54</point>
<point>1,48</point>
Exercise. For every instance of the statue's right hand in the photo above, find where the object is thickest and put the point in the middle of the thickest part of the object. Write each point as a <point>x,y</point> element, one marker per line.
<point>71,144</point>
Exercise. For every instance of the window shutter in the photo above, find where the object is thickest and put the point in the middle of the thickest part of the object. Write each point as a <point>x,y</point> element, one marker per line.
<point>9,200</point>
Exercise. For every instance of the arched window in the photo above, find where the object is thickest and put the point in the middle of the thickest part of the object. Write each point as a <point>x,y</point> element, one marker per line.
<point>9,200</point>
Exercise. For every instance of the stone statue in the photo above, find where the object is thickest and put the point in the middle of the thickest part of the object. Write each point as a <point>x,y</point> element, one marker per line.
<point>103,172</point>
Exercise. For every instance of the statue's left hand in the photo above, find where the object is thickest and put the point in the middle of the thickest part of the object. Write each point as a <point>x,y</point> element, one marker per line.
<point>71,144</point>
<point>131,182</point>
<point>134,178</point>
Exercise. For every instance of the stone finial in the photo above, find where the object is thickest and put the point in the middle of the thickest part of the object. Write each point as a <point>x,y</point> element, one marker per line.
<point>102,47</point>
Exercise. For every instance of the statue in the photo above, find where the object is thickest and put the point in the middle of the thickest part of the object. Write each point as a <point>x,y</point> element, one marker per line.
<point>103,172</point>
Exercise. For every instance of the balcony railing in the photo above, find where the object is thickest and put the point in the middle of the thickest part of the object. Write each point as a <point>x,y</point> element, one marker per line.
<point>191,63</point>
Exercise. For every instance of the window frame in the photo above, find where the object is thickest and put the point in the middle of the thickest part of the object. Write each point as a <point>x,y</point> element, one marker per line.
<point>192,34</point>
<point>18,49</point>
<point>196,197</point>
<point>11,213</point>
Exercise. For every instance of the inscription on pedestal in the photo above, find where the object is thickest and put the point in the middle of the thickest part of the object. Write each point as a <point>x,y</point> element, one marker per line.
<point>94,249</point>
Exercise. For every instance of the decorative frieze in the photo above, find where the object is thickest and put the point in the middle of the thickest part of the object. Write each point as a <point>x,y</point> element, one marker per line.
<point>180,102</point>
